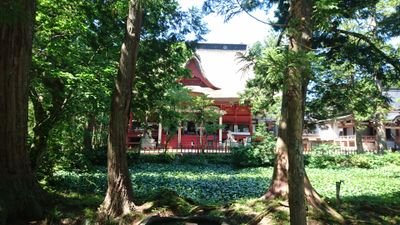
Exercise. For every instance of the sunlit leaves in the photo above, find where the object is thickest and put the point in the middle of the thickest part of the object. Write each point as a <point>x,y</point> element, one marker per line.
<point>222,184</point>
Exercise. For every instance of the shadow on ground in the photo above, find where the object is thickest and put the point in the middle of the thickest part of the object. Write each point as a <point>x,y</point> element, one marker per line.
<point>365,209</point>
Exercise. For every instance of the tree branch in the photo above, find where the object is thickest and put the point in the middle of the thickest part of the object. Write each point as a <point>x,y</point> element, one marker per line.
<point>392,61</point>
<point>259,20</point>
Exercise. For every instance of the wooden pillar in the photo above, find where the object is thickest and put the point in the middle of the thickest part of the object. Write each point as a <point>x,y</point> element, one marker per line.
<point>250,124</point>
<point>179,136</point>
<point>220,130</point>
<point>159,133</point>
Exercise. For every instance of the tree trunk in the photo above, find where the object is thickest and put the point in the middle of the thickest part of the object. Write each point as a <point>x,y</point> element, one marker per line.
<point>299,43</point>
<point>380,133</point>
<point>88,132</point>
<point>381,138</point>
<point>279,187</point>
<point>119,196</point>
<point>359,142</point>
<point>19,191</point>
<point>289,178</point>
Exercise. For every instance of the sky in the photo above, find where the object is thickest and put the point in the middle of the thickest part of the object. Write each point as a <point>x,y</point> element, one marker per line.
<point>241,29</point>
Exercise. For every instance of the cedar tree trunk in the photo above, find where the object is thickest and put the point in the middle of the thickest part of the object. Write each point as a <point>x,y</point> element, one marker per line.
<point>380,133</point>
<point>381,138</point>
<point>119,196</point>
<point>279,187</point>
<point>359,142</point>
<point>19,191</point>
<point>289,178</point>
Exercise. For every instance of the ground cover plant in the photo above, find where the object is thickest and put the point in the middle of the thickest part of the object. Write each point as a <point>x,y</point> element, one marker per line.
<point>368,195</point>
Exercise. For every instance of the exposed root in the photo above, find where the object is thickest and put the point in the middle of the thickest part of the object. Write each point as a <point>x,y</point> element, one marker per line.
<point>116,205</point>
<point>280,190</point>
<point>257,220</point>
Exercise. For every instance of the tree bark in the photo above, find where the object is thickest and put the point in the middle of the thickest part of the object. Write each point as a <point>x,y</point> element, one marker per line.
<point>119,197</point>
<point>289,178</point>
<point>279,187</point>
<point>19,191</point>
<point>299,42</point>
<point>381,138</point>
<point>380,132</point>
<point>359,143</point>
<point>88,133</point>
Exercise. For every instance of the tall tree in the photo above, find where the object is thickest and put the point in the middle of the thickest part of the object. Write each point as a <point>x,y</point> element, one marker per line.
<point>294,91</point>
<point>119,196</point>
<point>358,64</point>
<point>19,191</point>
<point>289,178</point>
<point>74,61</point>
<point>71,74</point>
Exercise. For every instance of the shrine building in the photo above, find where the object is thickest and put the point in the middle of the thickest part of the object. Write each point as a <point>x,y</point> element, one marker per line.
<point>217,73</point>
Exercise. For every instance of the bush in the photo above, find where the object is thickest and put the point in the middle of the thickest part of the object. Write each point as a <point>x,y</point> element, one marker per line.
<point>259,153</point>
<point>55,159</point>
<point>391,158</point>
<point>98,156</point>
<point>325,149</point>
<point>325,161</point>
<point>163,158</point>
<point>366,161</point>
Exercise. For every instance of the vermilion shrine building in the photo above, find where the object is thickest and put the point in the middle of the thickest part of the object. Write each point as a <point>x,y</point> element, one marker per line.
<point>215,72</point>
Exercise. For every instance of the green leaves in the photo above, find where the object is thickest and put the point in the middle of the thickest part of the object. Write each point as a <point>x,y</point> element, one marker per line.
<point>220,184</point>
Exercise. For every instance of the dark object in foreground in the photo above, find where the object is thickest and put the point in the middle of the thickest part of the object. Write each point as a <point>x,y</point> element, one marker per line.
<point>199,220</point>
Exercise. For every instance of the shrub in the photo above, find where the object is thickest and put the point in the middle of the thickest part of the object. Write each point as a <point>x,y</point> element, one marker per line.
<point>366,161</point>
<point>391,158</point>
<point>260,153</point>
<point>325,149</point>
<point>325,161</point>
<point>163,158</point>
<point>98,156</point>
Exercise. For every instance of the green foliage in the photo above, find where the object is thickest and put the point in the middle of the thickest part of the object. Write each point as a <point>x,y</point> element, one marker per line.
<point>167,198</point>
<point>325,149</point>
<point>367,194</point>
<point>270,65</point>
<point>75,52</point>
<point>366,161</point>
<point>204,110</point>
<point>252,156</point>
<point>163,52</point>
<point>325,161</point>
<point>210,183</point>
<point>358,63</point>
<point>221,183</point>
<point>259,153</point>
<point>98,157</point>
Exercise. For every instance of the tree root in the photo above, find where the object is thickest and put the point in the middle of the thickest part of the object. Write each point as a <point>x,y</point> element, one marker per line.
<point>280,190</point>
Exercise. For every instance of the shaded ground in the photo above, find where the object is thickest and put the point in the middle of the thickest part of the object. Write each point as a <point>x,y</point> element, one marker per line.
<point>222,195</point>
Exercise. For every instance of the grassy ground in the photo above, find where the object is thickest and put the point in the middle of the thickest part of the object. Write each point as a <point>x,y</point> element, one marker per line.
<point>369,196</point>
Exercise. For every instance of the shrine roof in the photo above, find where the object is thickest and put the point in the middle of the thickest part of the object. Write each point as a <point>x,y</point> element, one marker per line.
<point>220,65</point>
